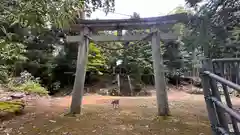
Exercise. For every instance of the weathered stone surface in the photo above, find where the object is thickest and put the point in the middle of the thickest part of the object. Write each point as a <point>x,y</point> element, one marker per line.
<point>5,98</point>
<point>17,95</point>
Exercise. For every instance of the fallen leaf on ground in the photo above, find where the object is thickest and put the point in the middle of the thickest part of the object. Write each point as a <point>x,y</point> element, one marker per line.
<point>53,121</point>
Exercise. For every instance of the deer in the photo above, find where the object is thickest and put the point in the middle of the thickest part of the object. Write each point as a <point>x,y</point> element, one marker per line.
<point>115,103</point>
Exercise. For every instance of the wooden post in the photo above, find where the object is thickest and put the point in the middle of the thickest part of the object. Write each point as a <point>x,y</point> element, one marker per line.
<point>130,84</point>
<point>160,84</point>
<point>209,104</point>
<point>78,87</point>
<point>118,81</point>
<point>119,33</point>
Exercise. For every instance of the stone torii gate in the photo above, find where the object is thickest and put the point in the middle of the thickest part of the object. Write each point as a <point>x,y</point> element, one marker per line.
<point>87,27</point>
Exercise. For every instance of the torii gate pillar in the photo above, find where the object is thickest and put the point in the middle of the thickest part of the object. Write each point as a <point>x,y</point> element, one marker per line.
<point>78,88</point>
<point>160,83</point>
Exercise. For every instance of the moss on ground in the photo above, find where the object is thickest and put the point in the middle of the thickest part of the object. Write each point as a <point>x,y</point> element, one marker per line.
<point>9,108</point>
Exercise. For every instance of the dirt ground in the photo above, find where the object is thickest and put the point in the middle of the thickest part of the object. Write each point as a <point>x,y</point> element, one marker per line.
<point>136,116</point>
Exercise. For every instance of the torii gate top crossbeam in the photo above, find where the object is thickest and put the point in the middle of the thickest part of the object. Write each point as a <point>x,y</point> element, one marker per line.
<point>124,24</point>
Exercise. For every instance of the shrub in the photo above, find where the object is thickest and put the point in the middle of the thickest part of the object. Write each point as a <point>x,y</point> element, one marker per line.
<point>137,87</point>
<point>54,87</point>
<point>3,74</point>
<point>11,53</point>
<point>114,92</point>
<point>103,92</point>
<point>31,87</point>
<point>28,84</point>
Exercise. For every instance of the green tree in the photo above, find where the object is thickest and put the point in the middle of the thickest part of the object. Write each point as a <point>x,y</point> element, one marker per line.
<point>218,21</point>
<point>38,28</point>
<point>11,53</point>
<point>96,61</point>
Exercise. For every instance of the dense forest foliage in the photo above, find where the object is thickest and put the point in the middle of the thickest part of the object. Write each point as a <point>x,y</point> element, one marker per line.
<point>32,40</point>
